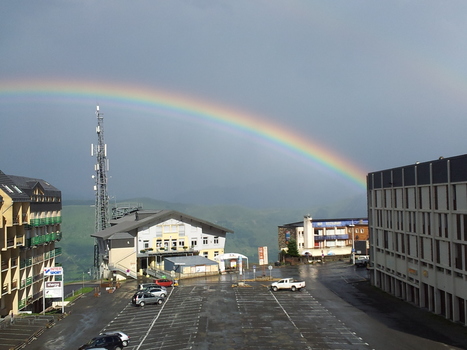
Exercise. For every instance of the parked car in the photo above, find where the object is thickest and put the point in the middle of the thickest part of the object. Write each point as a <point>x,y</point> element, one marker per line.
<point>143,298</point>
<point>164,282</point>
<point>157,291</point>
<point>124,337</point>
<point>108,342</point>
<point>362,261</point>
<point>288,283</point>
<point>143,286</point>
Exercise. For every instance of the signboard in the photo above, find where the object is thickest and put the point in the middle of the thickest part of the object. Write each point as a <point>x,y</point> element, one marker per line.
<point>263,255</point>
<point>53,289</point>
<point>53,271</point>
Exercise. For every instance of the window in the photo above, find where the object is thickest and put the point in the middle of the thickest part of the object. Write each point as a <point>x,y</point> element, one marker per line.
<point>216,240</point>
<point>158,243</point>
<point>194,243</point>
<point>146,244</point>
<point>205,254</point>
<point>216,253</point>
<point>205,240</point>
<point>181,243</point>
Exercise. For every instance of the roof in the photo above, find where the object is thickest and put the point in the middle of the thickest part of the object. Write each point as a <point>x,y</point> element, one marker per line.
<point>28,184</point>
<point>191,260</point>
<point>331,222</point>
<point>153,217</point>
<point>21,188</point>
<point>10,188</point>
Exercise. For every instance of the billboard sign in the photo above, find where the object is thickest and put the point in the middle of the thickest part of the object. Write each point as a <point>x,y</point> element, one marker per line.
<point>263,255</point>
<point>53,271</point>
<point>53,289</point>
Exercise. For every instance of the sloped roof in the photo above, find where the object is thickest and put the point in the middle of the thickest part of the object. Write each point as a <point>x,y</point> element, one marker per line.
<point>28,184</point>
<point>150,217</point>
<point>13,190</point>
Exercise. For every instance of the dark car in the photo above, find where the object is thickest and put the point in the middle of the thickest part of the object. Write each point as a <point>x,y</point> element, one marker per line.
<point>143,298</point>
<point>109,342</point>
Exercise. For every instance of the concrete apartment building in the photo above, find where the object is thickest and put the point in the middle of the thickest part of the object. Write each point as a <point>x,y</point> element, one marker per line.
<point>29,229</point>
<point>418,234</point>
<point>317,238</point>
<point>141,241</point>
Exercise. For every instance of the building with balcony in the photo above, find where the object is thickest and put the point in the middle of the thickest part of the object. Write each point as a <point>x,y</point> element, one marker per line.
<point>29,229</point>
<point>318,238</point>
<point>418,234</point>
<point>140,241</point>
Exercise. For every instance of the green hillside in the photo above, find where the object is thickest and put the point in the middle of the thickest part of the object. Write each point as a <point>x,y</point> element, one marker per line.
<point>252,227</point>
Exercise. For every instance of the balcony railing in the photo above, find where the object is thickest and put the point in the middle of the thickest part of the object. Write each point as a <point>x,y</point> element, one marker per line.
<point>45,221</point>
<point>58,251</point>
<point>331,237</point>
<point>5,288</point>
<point>44,239</point>
<point>21,304</point>
<point>25,263</point>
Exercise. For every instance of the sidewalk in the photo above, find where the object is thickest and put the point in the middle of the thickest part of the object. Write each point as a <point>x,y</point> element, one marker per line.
<point>26,329</point>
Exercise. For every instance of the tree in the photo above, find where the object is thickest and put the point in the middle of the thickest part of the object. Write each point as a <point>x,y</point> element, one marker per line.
<point>292,249</point>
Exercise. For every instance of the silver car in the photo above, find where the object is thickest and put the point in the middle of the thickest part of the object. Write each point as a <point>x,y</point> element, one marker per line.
<point>157,291</point>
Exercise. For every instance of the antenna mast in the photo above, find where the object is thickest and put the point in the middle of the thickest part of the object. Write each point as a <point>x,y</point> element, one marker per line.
<point>101,167</point>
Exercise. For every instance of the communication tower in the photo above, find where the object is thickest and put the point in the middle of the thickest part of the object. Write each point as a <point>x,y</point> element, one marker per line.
<point>101,167</point>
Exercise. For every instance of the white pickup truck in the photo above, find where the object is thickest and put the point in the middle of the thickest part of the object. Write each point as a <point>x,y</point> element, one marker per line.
<point>287,283</point>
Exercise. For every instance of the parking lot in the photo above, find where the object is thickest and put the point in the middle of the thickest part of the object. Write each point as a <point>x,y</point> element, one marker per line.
<point>222,316</point>
<point>337,310</point>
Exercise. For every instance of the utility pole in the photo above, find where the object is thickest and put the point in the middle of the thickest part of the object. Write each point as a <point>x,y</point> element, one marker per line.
<point>101,167</point>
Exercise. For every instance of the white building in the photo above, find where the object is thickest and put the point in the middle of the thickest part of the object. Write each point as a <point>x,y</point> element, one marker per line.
<point>317,238</point>
<point>139,242</point>
<point>418,234</point>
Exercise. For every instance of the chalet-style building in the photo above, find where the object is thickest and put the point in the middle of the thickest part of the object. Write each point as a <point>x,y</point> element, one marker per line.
<point>138,243</point>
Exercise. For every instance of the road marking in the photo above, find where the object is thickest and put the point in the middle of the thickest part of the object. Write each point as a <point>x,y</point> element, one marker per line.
<point>154,320</point>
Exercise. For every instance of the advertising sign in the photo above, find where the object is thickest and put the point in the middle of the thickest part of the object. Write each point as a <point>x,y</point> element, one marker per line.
<point>53,289</point>
<point>53,271</point>
<point>263,255</point>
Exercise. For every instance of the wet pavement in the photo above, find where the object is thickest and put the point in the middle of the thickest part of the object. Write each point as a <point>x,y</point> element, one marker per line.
<point>338,310</point>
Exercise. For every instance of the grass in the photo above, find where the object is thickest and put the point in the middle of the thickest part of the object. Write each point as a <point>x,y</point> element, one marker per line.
<point>79,292</point>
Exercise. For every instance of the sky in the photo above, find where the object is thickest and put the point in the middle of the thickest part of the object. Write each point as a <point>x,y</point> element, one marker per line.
<point>262,103</point>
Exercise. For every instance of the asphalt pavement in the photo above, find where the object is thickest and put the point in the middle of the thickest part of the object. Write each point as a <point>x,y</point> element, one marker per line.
<point>342,291</point>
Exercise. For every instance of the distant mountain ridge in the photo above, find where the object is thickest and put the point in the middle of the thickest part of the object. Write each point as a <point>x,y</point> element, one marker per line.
<point>252,227</point>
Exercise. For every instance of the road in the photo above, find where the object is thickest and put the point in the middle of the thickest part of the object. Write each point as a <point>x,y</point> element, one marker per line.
<point>338,310</point>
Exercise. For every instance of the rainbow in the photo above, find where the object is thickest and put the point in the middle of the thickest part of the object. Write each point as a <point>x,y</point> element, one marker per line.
<point>162,102</point>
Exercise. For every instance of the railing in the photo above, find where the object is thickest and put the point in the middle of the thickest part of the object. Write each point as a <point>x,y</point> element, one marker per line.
<point>123,269</point>
<point>5,288</point>
<point>21,303</point>
<point>25,263</point>
<point>4,265</point>
<point>45,221</point>
<point>331,237</point>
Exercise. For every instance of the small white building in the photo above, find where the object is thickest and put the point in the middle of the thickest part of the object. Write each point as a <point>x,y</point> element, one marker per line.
<point>317,238</point>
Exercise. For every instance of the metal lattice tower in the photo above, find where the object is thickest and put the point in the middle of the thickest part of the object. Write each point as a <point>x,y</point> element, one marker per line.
<point>101,168</point>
